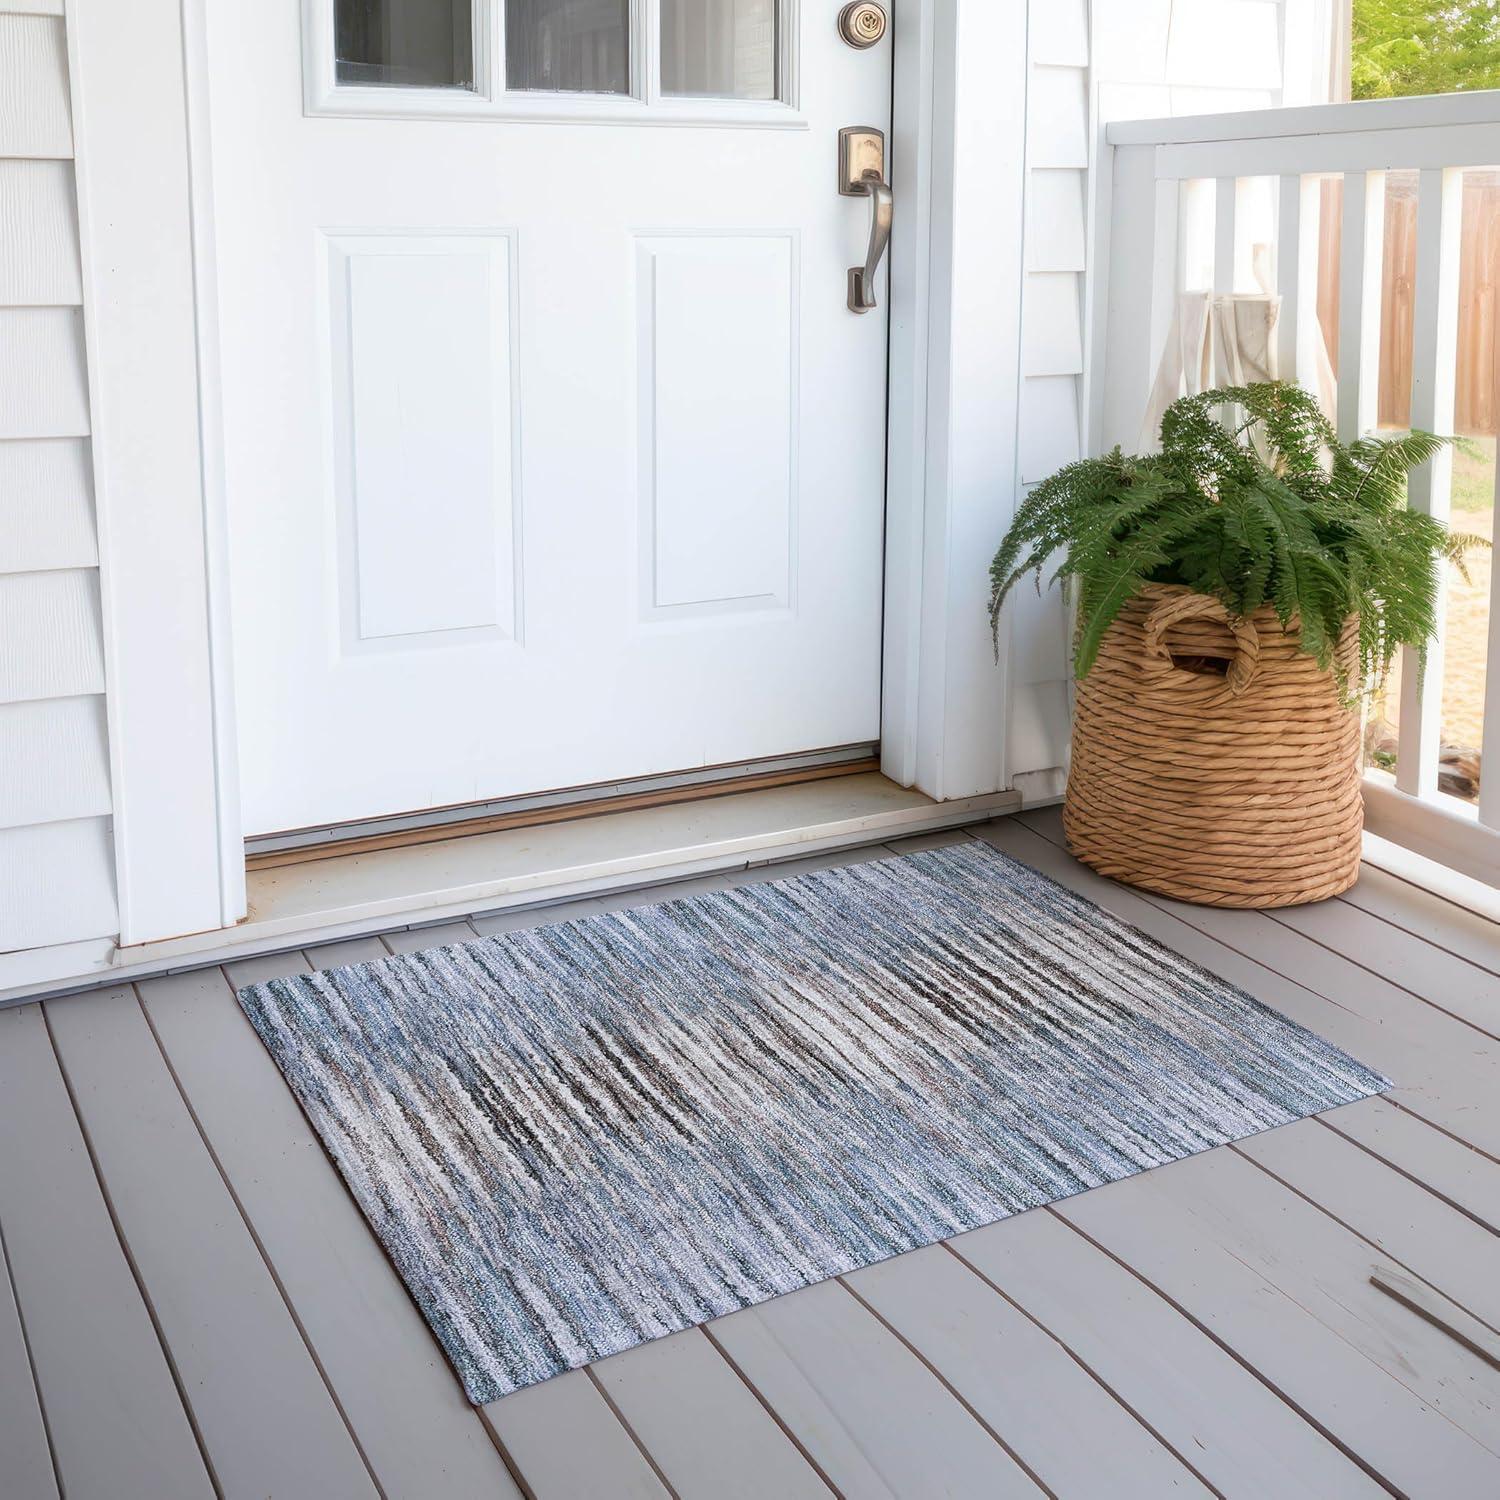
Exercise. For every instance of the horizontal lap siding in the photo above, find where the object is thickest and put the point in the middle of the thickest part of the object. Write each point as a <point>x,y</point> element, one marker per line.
<point>56,842</point>
<point>1114,59</point>
<point>1052,355</point>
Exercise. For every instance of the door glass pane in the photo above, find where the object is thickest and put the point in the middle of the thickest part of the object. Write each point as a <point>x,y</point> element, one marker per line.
<point>405,43</point>
<point>719,49</point>
<point>568,46</point>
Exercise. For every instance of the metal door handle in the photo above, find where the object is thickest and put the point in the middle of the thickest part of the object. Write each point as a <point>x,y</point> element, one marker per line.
<point>862,175</point>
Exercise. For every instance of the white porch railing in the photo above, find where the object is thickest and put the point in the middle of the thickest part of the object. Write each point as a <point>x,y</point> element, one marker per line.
<point>1181,202</point>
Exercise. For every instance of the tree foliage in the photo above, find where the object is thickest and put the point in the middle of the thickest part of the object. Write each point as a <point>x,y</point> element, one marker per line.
<point>1424,47</point>
<point>1254,501</point>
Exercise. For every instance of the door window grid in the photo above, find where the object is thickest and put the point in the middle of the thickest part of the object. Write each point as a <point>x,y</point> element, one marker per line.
<point>721,58</point>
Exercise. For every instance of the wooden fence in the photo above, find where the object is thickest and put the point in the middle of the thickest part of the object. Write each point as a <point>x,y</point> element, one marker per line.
<point>1478,403</point>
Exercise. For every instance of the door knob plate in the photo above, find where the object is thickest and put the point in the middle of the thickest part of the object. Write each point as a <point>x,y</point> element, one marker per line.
<point>862,175</point>
<point>861,159</point>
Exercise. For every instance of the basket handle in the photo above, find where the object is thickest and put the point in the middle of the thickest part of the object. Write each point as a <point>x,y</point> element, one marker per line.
<point>1246,660</point>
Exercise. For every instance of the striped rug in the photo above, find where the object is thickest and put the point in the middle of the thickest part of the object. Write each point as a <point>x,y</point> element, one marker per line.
<point>577,1138</point>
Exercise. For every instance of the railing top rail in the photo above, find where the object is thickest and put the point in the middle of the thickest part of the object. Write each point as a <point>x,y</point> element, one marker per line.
<point>1482,107</point>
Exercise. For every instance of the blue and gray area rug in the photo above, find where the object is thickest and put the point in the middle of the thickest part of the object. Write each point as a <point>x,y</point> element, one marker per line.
<point>577,1138</point>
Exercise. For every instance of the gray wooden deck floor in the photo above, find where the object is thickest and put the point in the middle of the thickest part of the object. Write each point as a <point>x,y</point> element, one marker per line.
<point>192,1304</point>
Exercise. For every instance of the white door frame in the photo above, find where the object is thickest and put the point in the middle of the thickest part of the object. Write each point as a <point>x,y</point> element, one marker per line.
<point>143,178</point>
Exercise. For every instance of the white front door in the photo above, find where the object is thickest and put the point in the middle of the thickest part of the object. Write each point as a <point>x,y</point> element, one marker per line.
<point>554,454</point>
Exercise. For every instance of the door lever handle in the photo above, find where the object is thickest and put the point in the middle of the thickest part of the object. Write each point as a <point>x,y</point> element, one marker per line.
<point>862,175</point>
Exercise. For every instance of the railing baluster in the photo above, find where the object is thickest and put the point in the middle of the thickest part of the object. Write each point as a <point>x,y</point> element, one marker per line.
<point>1489,787</point>
<point>1226,205</point>
<point>1434,373</point>
<point>1361,244</point>
<point>1297,280</point>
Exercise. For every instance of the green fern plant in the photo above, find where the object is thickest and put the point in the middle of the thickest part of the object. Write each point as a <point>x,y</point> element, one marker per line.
<point>1252,500</point>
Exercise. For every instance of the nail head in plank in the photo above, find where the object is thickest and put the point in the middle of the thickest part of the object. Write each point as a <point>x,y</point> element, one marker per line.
<point>395,1385</point>
<point>115,1418</point>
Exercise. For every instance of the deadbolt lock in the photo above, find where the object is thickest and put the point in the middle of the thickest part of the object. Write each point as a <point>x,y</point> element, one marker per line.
<point>862,24</point>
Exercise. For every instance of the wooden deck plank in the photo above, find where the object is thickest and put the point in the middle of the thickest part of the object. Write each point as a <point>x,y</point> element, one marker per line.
<point>1411,1225</point>
<point>1242,1437</point>
<point>568,1445</point>
<point>243,1361</point>
<point>1287,1289</point>
<point>1454,1171</point>
<point>25,1458</point>
<point>873,1416</point>
<point>1068,1429</point>
<point>703,1427</point>
<point>1443,979</point>
<point>113,1411</point>
<point>1444,1070</point>
<point>1428,916</point>
<point>394,1382</point>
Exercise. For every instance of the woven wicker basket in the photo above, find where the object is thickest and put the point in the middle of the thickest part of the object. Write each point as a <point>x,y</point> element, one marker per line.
<point>1226,788</point>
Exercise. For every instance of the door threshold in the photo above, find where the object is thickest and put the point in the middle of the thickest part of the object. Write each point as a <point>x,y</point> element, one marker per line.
<point>324,900</point>
<point>298,847</point>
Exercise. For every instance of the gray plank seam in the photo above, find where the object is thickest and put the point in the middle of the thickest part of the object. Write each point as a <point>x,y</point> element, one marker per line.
<point>255,1239</point>
<point>771,1411</point>
<point>490,1431</point>
<point>630,1431</point>
<point>135,1270</point>
<point>1421,893</point>
<point>1490,1031</point>
<point>952,1390</point>
<point>1233,1353</point>
<point>1329,1122</point>
<point>36,1389</point>
<point>1380,1250</point>
<point>1082,1364</point>
<point>1181,912</point>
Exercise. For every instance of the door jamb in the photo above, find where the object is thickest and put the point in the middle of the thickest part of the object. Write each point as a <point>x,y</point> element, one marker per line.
<point>959,171</point>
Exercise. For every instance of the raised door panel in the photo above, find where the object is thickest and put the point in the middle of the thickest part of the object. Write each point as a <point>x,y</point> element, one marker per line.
<point>422,417</point>
<point>718,429</point>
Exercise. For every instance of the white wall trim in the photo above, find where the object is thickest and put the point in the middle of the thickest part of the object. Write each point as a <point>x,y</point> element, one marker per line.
<point>140,315</point>
<point>957,275</point>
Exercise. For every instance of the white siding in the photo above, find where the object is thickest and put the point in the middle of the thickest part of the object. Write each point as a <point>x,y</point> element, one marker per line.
<point>56,883</point>
<point>1092,63</point>
<point>38,235</point>
<point>56,842</point>
<point>34,114</point>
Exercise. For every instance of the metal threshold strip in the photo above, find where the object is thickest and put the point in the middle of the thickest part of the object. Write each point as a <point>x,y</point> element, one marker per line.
<point>301,844</point>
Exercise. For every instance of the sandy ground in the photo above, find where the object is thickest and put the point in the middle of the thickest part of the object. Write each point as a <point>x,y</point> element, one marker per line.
<point>1468,631</point>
